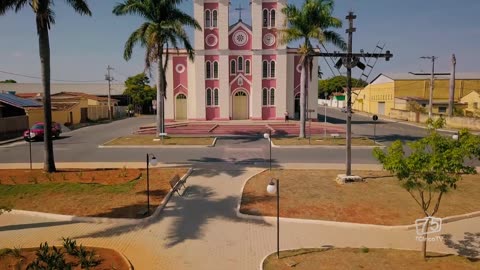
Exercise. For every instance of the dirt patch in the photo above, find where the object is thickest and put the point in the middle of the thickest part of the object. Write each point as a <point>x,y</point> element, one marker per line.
<point>322,141</point>
<point>108,259</point>
<point>97,176</point>
<point>313,194</point>
<point>350,259</point>
<point>149,140</point>
<point>125,199</point>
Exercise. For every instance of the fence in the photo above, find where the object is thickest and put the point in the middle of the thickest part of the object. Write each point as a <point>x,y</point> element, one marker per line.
<point>332,102</point>
<point>451,122</point>
<point>98,112</point>
<point>11,127</point>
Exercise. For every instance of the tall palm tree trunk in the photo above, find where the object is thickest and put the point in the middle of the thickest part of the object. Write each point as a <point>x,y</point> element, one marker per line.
<point>303,83</point>
<point>44,49</point>
<point>160,95</point>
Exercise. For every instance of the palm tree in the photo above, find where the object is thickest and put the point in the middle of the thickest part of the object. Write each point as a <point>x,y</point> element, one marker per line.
<point>164,27</point>
<point>311,22</point>
<point>44,18</point>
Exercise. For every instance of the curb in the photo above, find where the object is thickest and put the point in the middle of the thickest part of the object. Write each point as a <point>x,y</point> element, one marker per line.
<point>155,146</point>
<point>126,221</point>
<point>11,141</point>
<point>379,145</point>
<point>445,220</point>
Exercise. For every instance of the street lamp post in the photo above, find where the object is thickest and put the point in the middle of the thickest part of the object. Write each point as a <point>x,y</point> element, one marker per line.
<point>268,136</point>
<point>151,160</point>
<point>272,188</point>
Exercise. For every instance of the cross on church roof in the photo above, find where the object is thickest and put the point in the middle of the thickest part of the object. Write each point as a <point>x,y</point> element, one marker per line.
<point>239,9</point>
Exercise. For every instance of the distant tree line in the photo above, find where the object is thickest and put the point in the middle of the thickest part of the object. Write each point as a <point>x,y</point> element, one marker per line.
<point>8,81</point>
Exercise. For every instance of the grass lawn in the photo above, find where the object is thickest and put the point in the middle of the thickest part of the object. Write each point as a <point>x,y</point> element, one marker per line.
<point>101,193</point>
<point>313,194</point>
<point>364,258</point>
<point>148,140</point>
<point>322,141</point>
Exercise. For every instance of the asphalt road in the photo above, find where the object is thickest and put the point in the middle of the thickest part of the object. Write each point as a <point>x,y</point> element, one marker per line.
<point>82,145</point>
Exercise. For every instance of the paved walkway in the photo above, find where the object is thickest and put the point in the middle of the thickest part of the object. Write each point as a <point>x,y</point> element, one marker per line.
<point>201,230</point>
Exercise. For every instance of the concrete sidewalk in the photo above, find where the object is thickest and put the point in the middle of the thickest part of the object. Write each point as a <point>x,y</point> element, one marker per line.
<point>202,231</point>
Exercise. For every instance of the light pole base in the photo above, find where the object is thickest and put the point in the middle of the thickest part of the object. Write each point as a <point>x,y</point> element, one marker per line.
<point>345,179</point>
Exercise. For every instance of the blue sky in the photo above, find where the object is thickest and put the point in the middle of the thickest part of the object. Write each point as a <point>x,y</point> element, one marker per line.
<point>82,47</point>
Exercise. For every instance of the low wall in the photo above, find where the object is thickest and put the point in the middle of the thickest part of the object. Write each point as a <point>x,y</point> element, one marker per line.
<point>451,122</point>
<point>332,102</point>
<point>11,127</point>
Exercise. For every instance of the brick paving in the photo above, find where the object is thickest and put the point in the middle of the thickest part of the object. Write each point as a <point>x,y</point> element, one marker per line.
<point>202,231</point>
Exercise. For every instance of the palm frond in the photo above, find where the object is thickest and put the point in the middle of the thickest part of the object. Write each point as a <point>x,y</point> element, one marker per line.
<point>130,7</point>
<point>138,36</point>
<point>80,6</point>
<point>6,5</point>
<point>335,39</point>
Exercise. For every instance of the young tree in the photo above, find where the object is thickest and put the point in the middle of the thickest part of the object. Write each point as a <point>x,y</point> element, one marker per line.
<point>45,18</point>
<point>312,21</point>
<point>164,26</point>
<point>434,167</point>
<point>139,91</point>
<point>337,84</point>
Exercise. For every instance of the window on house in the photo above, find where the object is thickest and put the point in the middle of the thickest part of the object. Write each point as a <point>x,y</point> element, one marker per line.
<point>240,63</point>
<point>207,18</point>
<point>233,67</point>
<point>265,97</point>
<point>265,69</point>
<point>272,18</point>
<point>265,18</point>
<point>442,109</point>
<point>272,97</point>
<point>209,97</point>
<point>272,69</point>
<point>214,18</point>
<point>247,66</point>
<point>208,70</point>
<point>215,97</point>
<point>215,70</point>
<point>475,105</point>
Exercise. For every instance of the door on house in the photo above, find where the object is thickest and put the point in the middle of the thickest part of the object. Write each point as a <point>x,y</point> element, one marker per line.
<point>181,107</point>
<point>381,108</point>
<point>297,106</point>
<point>83,115</point>
<point>240,106</point>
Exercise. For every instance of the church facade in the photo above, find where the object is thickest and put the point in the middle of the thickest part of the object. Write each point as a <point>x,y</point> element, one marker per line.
<point>240,71</point>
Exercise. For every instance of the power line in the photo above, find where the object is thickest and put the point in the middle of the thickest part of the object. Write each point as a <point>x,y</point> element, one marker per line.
<point>34,77</point>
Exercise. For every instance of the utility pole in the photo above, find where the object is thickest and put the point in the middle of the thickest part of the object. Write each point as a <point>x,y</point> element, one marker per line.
<point>432,81</point>
<point>451,96</point>
<point>109,78</point>
<point>351,60</point>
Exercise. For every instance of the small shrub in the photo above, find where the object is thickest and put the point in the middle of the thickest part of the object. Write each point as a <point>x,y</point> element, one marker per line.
<point>123,172</point>
<point>364,249</point>
<point>70,246</point>
<point>49,177</point>
<point>33,179</point>
<point>89,260</point>
<point>16,252</point>
<point>5,251</point>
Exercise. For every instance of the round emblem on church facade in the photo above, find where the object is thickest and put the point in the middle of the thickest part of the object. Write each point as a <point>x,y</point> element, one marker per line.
<point>211,40</point>
<point>269,39</point>
<point>240,38</point>
<point>299,68</point>
<point>180,68</point>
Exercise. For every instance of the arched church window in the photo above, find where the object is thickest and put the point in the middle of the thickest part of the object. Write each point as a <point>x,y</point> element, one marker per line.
<point>272,18</point>
<point>265,69</point>
<point>265,97</point>
<point>240,63</point>
<point>208,70</point>
<point>208,18</point>
<point>247,66</point>
<point>215,96</point>
<point>272,97</point>
<point>214,18</point>
<point>272,69</point>
<point>233,67</point>
<point>215,70</point>
<point>209,97</point>
<point>265,18</point>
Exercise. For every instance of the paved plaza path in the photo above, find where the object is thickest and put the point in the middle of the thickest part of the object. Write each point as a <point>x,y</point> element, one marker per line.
<point>202,231</point>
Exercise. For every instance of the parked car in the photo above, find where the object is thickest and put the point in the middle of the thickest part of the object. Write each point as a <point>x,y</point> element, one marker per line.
<point>36,131</point>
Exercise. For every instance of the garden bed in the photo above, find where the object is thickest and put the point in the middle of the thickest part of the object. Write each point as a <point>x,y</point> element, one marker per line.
<point>364,258</point>
<point>149,140</point>
<point>115,193</point>
<point>313,194</point>
<point>317,140</point>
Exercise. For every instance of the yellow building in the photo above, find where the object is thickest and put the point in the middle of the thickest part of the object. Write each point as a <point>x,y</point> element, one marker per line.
<point>472,100</point>
<point>393,91</point>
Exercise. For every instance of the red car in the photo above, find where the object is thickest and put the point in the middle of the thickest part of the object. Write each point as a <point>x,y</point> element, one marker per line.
<point>36,131</point>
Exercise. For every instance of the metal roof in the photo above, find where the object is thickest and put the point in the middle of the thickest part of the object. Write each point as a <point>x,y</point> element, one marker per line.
<point>410,76</point>
<point>18,101</point>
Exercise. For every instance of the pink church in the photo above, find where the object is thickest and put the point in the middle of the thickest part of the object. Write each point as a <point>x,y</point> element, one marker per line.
<point>240,71</point>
